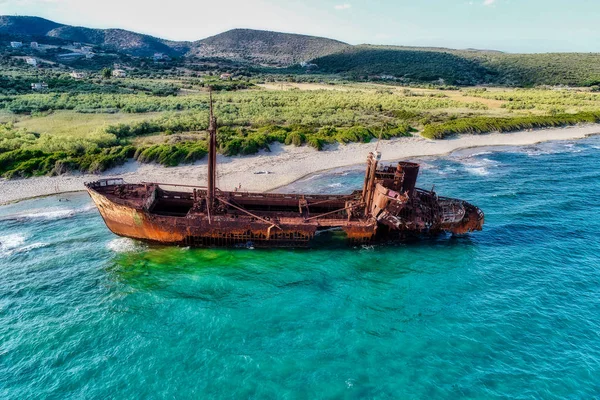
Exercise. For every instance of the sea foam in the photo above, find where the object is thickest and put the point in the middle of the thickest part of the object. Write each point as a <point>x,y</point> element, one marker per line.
<point>123,245</point>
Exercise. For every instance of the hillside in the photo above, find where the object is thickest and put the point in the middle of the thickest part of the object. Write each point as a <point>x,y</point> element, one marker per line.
<point>253,46</point>
<point>265,47</point>
<point>464,67</point>
<point>409,64</point>
<point>26,26</point>
<point>118,40</point>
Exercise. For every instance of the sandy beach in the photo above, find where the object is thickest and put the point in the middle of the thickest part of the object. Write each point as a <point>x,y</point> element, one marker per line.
<point>284,164</point>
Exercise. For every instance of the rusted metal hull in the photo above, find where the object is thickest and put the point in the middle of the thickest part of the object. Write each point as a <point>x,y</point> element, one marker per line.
<point>390,208</point>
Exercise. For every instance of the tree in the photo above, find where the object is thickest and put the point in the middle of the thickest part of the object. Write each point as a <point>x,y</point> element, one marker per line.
<point>106,73</point>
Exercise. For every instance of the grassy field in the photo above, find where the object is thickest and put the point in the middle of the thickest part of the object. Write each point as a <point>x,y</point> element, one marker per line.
<point>57,132</point>
<point>70,124</point>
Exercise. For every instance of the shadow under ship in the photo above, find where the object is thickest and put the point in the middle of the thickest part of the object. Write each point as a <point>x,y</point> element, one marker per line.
<point>389,207</point>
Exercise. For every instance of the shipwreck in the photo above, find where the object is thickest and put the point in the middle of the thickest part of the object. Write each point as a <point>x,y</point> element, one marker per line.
<point>388,208</point>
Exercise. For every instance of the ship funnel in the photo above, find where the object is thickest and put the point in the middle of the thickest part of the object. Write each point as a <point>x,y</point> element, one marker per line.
<point>410,172</point>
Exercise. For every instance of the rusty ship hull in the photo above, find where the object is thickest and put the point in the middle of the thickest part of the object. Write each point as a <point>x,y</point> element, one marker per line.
<point>388,208</point>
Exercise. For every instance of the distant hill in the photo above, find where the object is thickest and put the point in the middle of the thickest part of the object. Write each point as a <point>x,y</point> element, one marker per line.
<point>410,64</point>
<point>26,26</point>
<point>120,40</point>
<point>110,39</point>
<point>464,67</point>
<point>265,47</point>
<point>253,46</point>
<point>274,49</point>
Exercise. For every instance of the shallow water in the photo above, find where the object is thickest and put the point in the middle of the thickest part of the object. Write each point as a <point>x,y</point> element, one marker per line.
<point>512,311</point>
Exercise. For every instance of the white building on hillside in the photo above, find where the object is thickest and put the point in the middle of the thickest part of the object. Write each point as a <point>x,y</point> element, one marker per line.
<point>31,61</point>
<point>119,73</point>
<point>77,75</point>
<point>16,45</point>
<point>34,45</point>
<point>39,86</point>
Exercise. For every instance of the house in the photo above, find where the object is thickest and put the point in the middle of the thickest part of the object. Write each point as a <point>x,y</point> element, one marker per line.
<point>39,86</point>
<point>158,56</point>
<point>34,45</point>
<point>226,77</point>
<point>31,61</point>
<point>387,77</point>
<point>77,75</point>
<point>86,49</point>
<point>16,45</point>
<point>119,73</point>
<point>89,55</point>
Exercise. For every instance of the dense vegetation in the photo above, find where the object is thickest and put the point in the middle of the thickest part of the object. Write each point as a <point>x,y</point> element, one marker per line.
<point>51,133</point>
<point>463,67</point>
<point>24,153</point>
<point>364,62</point>
<point>257,108</point>
<point>548,100</point>
<point>477,125</point>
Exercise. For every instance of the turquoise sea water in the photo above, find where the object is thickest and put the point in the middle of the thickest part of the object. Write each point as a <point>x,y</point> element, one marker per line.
<point>510,312</point>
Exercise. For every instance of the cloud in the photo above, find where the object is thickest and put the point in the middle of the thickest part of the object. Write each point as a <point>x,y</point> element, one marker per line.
<point>489,2</point>
<point>347,6</point>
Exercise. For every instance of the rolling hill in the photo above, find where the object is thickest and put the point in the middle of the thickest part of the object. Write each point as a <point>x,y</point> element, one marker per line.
<point>273,49</point>
<point>265,47</point>
<point>252,46</point>
<point>110,39</point>
<point>464,67</point>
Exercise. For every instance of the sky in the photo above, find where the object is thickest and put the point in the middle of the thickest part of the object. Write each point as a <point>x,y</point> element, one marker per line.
<point>526,26</point>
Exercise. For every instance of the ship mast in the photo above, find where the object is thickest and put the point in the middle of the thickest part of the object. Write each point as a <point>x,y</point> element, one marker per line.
<point>212,155</point>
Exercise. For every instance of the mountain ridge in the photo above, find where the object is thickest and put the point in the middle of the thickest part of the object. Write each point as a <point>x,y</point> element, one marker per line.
<point>249,45</point>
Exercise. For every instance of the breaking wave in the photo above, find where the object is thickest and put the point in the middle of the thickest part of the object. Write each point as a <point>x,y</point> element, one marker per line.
<point>51,214</point>
<point>15,243</point>
<point>479,171</point>
<point>10,242</point>
<point>479,167</point>
<point>124,245</point>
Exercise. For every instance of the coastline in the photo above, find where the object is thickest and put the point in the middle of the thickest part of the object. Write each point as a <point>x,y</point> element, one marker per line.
<point>268,171</point>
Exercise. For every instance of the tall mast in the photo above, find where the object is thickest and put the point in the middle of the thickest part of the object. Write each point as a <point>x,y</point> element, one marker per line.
<point>212,154</point>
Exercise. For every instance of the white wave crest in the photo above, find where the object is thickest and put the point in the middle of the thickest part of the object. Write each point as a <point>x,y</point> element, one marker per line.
<point>123,245</point>
<point>479,171</point>
<point>15,243</point>
<point>481,153</point>
<point>50,214</point>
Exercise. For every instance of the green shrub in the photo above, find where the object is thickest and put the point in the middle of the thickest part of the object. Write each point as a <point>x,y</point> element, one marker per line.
<point>478,125</point>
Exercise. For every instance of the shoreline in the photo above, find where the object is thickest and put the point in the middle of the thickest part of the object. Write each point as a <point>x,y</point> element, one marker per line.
<point>283,165</point>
